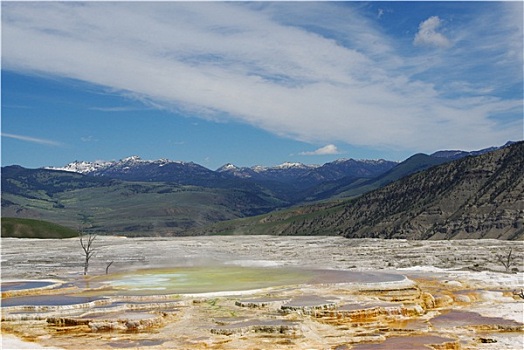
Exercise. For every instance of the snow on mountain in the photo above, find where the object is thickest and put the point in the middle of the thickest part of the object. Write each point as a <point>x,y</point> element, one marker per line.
<point>362,161</point>
<point>300,174</point>
<point>287,169</point>
<point>290,165</point>
<point>259,168</point>
<point>233,170</point>
<point>131,159</point>
<point>228,167</point>
<point>83,167</point>
<point>136,168</point>
<point>329,171</point>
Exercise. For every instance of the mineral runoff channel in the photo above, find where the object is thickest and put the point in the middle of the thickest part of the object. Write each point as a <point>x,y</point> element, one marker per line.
<point>262,292</point>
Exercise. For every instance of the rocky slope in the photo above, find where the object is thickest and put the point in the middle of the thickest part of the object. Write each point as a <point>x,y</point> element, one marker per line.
<point>473,197</point>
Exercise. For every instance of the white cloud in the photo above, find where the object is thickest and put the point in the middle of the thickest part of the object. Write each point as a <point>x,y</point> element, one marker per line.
<point>31,139</point>
<point>258,63</point>
<point>326,150</point>
<point>428,35</point>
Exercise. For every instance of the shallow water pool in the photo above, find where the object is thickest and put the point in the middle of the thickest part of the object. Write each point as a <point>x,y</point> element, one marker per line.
<point>22,285</point>
<point>183,280</point>
<point>205,279</point>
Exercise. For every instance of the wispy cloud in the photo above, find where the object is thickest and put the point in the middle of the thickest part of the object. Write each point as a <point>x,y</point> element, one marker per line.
<point>15,106</point>
<point>326,150</point>
<point>114,109</point>
<point>89,138</point>
<point>32,139</point>
<point>312,71</point>
<point>177,143</point>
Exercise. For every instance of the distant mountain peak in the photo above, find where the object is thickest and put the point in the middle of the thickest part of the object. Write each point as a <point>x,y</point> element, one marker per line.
<point>227,167</point>
<point>85,167</point>
<point>131,159</point>
<point>352,160</point>
<point>82,167</point>
<point>456,154</point>
<point>289,165</point>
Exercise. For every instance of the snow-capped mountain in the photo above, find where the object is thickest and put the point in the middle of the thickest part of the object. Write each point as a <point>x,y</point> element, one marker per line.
<point>82,167</point>
<point>302,175</point>
<point>128,163</point>
<point>278,172</point>
<point>234,171</point>
<point>294,175</point>
<point>135,168</point>
<point>297,175</point>
<point>291,165</point>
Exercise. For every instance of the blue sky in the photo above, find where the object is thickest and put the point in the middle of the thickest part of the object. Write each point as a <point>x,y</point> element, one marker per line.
<point>257,82</point>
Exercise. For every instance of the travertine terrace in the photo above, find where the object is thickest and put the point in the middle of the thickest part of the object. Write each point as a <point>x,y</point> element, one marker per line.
<point>261,292</point>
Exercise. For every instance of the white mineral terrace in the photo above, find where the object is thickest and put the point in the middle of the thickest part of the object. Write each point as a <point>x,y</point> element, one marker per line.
<point>239,292</point>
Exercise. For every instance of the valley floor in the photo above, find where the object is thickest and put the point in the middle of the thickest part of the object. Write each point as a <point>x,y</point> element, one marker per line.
<point>457,294</point>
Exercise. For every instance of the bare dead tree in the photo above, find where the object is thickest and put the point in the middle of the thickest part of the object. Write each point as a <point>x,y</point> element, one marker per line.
<point>506,260</point>
<point>107,267</point>
<point>86,241</point>
<point>519,293</point>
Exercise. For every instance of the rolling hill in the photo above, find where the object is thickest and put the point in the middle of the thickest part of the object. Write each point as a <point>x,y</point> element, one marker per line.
<point>124,207</point>
<point>29,228</point>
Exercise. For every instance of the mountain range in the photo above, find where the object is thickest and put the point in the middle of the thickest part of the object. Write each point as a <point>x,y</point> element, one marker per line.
<point>162,197</point>
<point>188,173</point>
<point>472,197</point>
<point>289,179</point>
